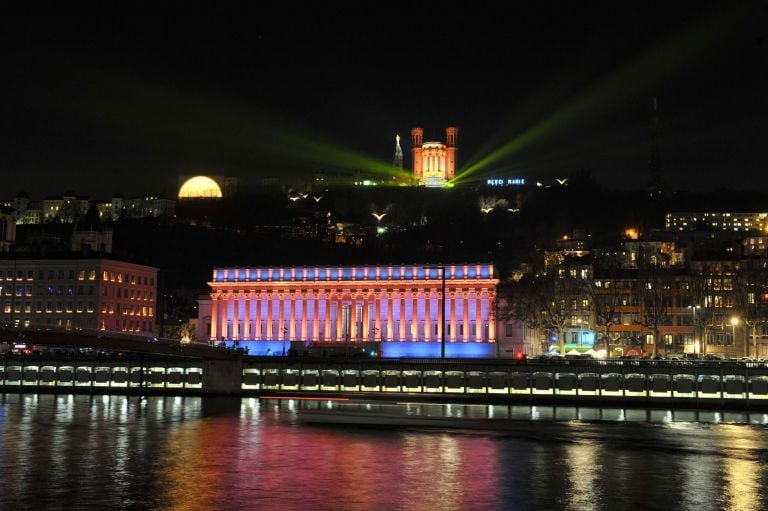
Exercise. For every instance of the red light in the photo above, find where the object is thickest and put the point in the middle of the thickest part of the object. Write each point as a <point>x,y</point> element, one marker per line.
<point>519,356</point>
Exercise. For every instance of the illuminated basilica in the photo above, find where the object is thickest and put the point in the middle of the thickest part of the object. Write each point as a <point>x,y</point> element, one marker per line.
<point>399,308</point>
<point>434,163</point>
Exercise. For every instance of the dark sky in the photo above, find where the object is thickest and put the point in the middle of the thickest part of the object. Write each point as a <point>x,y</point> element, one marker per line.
<point>128,103</point>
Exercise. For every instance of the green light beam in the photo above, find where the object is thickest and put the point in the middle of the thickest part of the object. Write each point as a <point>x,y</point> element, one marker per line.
<point>632,79</point>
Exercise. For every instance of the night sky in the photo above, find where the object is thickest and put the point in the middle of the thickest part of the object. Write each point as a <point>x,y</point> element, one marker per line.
<point>127,104</point>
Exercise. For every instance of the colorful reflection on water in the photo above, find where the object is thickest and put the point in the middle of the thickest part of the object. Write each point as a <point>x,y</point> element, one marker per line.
<point>116,452</point>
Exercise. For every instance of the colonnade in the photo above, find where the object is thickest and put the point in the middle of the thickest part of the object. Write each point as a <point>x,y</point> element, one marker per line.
<point>357,315</point>
<point>434,161</point>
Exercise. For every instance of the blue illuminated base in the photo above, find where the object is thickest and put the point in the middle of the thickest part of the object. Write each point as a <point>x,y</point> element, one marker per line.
<point>411,349</point>
<point>392,349</point>
<point>263,348</point>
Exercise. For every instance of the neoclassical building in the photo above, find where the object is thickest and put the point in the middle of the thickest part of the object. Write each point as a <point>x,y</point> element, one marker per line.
<point>434,163</point>
<point>401,307</point>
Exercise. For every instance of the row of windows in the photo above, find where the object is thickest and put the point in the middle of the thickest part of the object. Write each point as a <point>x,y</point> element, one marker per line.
<point>52,274</point>
<point>629,284</point>
<point>132,294</point>
<point>130,310</point>
<point>49,290</point>
<point>62,322</point>
<point>668,340</point>
<point>107,276</point>
<point>127,278</point>
<point>127,325</point>
<point>39,307</point>
<point>681,302</point>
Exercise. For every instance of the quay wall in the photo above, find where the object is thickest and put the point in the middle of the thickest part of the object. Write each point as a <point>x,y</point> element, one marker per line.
<point>628,383</point>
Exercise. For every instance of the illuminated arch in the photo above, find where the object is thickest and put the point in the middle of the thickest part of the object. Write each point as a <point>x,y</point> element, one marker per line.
<point>200,187</point>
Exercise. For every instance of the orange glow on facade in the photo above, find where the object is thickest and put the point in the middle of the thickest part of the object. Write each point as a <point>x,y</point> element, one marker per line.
<point>434,163</point>
<point>631,233</point>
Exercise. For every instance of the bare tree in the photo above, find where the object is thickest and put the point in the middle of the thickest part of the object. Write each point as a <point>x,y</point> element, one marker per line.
<point>702,300</point>
<point>552,295</point>
<point>517,302</point>
<point>653,291</point>
<point>606,296</point>
<point>750,291</point>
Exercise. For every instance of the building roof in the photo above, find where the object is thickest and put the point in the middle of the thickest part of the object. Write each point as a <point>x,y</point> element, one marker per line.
<point>384,272</point>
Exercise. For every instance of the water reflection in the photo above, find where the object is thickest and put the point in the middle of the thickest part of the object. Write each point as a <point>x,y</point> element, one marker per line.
<point>190,453</point>
<point>583,470</point>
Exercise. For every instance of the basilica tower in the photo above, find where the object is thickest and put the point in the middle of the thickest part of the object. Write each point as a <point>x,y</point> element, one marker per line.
<point>451,138</point>
<point>417,138</point>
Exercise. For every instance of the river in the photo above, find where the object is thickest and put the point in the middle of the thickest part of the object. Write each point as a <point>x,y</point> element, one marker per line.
<point>175,453</point>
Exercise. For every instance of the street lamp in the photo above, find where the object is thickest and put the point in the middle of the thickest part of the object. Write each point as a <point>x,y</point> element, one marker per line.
<point>442,327</point>
<point>734,322</point>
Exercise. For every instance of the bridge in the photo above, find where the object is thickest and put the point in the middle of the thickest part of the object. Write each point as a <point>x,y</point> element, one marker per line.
<point>113,341</point>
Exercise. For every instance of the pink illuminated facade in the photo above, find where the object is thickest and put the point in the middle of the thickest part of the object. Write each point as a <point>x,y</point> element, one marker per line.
<point>386,304</point>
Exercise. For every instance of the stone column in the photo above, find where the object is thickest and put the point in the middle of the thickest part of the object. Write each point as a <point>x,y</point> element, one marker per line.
<point>427,314</point>
<point>327,324</point>
<point>259,333</point>
<point>390,317</point>
<point>247,324</point>
<point>479,315</point>
<point>353,318</point>
<point>304,315</point>
<point>225,319</point>
<point>454,329</point>
<point>366,316</point>
<point>465,306</point>
<point>491,317</point>
<point>415,315</point>
<point>316,316</point>
<point>270,316</point>
<point>292,298</point>
<point>236,318</point>
<point>401,296</point>
<point>440,320</point>
<point>377,321</point>
<point>339,317</point>
<point>214,316</point>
